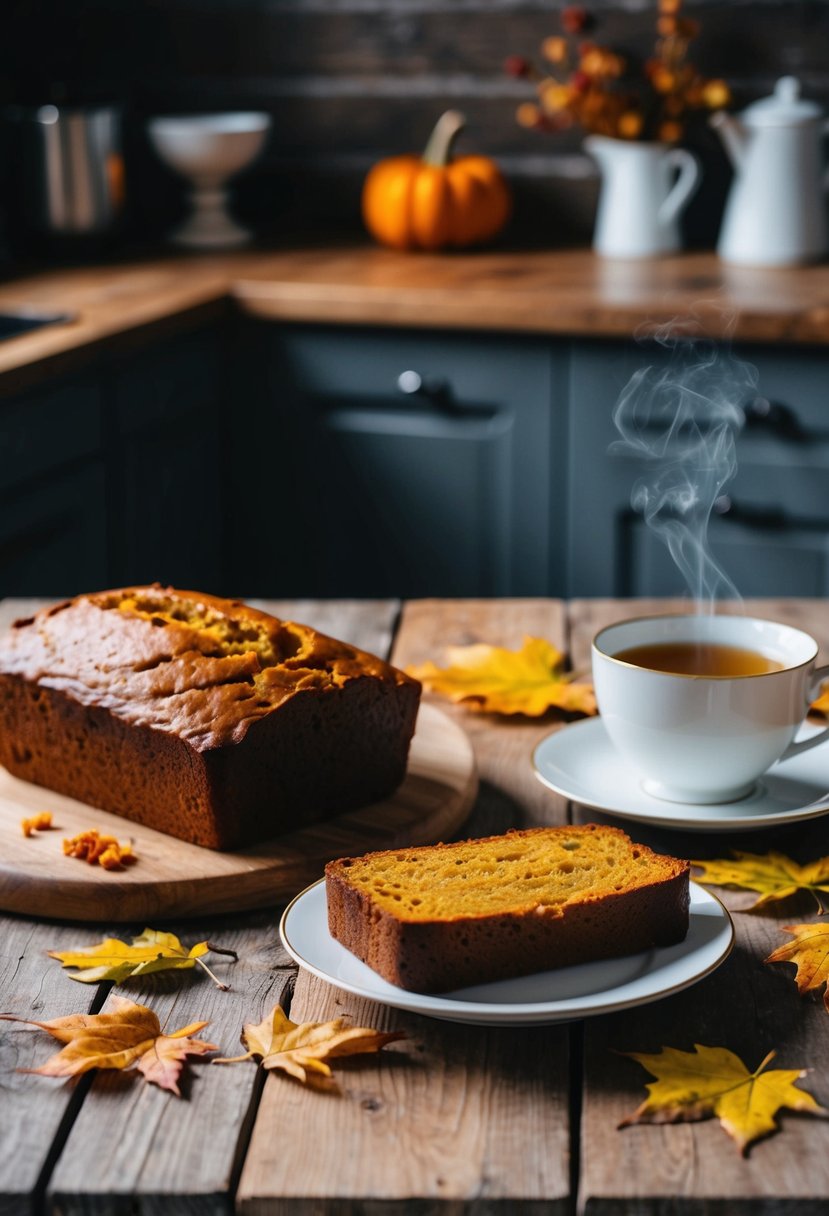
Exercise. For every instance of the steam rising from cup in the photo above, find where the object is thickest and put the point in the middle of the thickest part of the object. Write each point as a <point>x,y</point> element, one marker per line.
<point>680,417</point>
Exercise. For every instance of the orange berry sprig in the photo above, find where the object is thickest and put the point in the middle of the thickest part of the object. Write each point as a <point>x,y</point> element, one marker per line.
<point>589,85</point>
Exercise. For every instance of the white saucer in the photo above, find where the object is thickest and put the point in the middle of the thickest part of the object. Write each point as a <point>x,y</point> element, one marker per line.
<point>550,996</point>
<point>580,762</point>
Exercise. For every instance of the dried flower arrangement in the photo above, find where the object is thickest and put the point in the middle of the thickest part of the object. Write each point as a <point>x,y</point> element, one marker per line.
<point>588,85</point>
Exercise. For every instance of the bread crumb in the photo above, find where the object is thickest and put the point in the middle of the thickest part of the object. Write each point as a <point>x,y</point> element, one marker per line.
<point>96,849</point>
<point>41,822</point>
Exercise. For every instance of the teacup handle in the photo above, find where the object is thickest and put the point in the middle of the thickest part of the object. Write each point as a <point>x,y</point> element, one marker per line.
<point>683,187</point>
<point>794,749</point>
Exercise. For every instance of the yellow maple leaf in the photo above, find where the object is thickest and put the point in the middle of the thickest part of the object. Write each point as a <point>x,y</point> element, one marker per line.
<point>526,681</point>
<point>713,1082</point>
<point>773,874</point>
<point>302,1049</point>
<point>810,953</point>
<point>151,951</point>
<point>821,705</point>
<point>129,1036</point>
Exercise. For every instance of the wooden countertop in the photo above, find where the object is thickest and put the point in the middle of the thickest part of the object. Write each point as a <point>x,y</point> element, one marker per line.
<point>557,292</point>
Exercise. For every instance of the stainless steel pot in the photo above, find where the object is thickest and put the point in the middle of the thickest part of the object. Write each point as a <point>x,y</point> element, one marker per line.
<point>76,169</point>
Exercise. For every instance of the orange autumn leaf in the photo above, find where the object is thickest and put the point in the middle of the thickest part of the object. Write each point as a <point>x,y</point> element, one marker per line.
<point>303,1049</point>
<point>774,875</point>
<point>713,1082</point>
<point>810,953</point>
<point>127,1037</point>
<point>491,678</point>
<point>163,1061</point>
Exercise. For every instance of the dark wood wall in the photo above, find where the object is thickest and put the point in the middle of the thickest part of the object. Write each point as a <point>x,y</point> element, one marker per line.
<point>349,81</point>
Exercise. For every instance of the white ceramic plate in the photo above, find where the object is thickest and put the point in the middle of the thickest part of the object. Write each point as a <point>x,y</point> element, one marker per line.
<point>580,762</point>
<point>550,996</point>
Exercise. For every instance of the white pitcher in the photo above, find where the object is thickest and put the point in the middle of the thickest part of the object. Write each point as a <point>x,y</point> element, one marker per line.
<point>641,196</point>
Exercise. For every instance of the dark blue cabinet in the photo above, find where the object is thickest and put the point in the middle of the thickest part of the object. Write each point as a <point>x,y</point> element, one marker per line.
<point>411,464</point>
<point>115,475</point>
<point>53,501</point>
<point>293,460</point>
<point>165,461</point>
<point>769,529</point>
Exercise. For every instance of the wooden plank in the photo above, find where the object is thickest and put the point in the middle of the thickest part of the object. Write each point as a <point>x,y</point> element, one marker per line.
<point>695,1168</point>
<point>367,624</point>
<point>458,1119</point>
<point>462,1119</point>
<point>510,795</point>
<point>134,1148</point>
<point>746,1006</point>
<point>33,1109</point>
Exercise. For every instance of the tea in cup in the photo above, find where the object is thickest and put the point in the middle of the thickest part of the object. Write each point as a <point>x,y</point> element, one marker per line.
<point>702,706</point>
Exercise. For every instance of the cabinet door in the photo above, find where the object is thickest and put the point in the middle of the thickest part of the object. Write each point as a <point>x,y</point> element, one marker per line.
<point>448,489</point>
<point>48,430</point>
<point>53,535</point>
<point>53,504</point>
<point>166,456</point>
<point>769,531</point>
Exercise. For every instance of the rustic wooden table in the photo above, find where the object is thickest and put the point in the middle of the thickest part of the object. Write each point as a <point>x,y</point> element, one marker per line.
<point>456,1118</point>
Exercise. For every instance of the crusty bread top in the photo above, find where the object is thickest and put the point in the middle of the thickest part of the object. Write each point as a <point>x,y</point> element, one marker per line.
<point>535,871</point>
<point>195,665</point>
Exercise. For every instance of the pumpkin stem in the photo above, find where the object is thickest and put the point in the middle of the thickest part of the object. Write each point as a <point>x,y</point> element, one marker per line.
<point>438,150</point>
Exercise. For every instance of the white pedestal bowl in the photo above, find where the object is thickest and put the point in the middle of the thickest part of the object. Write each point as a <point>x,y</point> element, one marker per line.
<point>209,149</point>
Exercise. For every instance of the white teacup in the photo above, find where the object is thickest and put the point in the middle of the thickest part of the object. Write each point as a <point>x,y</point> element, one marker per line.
<point>703,738</point>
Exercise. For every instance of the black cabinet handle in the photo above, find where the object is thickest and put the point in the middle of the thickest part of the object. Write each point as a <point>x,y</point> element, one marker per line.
<point>437,392</point>
<point>774,416</point>
<point>759,517</point>
<point>758,414</point>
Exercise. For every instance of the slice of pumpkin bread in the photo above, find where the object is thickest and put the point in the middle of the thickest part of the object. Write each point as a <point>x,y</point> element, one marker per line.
<point>446,916</point>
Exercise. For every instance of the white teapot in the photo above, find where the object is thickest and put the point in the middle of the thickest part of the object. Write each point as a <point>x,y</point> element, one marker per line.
<point>776,213</point>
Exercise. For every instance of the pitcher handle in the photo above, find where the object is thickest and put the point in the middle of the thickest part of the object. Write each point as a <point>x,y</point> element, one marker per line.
<point>683,187</point>
<point>794,749</point>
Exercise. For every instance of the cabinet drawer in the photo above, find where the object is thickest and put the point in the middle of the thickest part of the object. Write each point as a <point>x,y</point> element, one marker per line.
<point>797,558</point>
<point>461,371</point>
<point>43,430</point>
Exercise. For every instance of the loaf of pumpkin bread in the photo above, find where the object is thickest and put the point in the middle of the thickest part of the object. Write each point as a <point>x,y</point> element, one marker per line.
<point>199,716</point>
<point>445,916</point>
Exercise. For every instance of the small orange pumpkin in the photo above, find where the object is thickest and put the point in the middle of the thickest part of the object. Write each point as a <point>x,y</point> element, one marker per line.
<point>433,201</point>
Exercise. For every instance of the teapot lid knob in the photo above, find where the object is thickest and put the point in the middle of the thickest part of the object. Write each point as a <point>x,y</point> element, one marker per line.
<point>787,90</point>
<point>784,107</point>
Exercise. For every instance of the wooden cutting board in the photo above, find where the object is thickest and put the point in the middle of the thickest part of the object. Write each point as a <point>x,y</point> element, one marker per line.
<point>174,878</point>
